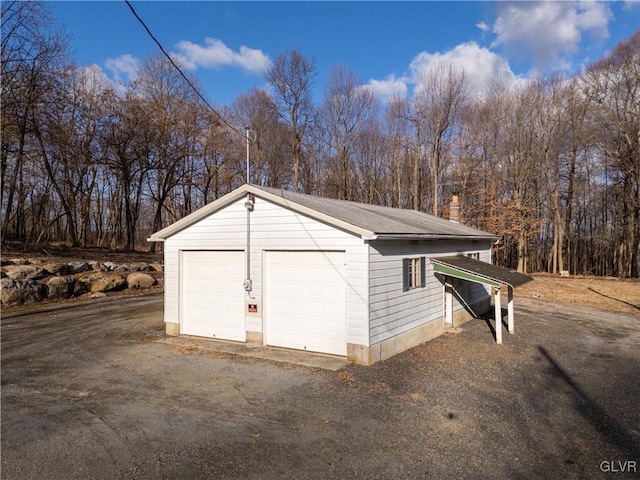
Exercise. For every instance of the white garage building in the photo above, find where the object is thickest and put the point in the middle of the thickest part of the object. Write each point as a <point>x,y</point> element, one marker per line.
<point>271,267</point>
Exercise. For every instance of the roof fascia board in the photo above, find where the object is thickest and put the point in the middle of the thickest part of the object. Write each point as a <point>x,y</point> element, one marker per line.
<point>434,236</point>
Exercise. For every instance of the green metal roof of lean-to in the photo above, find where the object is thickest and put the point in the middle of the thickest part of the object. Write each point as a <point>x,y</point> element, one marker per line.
<point>476,271</point>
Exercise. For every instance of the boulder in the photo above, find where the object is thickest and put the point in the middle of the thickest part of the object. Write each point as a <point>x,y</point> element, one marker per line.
<point>157,267</point>
<point>24,272</point>
<point>57,268</point>
<point>19,292</point>
<point>140,280</point>
<point>78,267</point>
<point>110,266</point>
<point>61,287</point>
<point>140,267</point>
<point>97,266</point>
<point>80,287</point>
<point>133,267</point>
<point>103,281</point>
<point>18,261</point>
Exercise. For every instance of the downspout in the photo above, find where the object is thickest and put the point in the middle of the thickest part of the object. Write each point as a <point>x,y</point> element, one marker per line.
<point>248,284</point>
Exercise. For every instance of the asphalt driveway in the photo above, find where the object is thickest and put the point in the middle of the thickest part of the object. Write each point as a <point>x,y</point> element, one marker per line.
<point>91,390</point>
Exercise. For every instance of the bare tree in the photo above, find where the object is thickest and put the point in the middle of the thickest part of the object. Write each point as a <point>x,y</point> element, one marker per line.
<point>67,135</point>
<point>562,140</point>
<point>348,111</point>
<point>291,76</point>
<point>371,167</point>
<point>439,102</point>
<point>269,147</point>
<point>33,49</point>
<point>125,140</point>
<point>215,174</point>
<point>613,85</point>
<point>171,113</point>
<point>397,130</point>
<point>518,155</point>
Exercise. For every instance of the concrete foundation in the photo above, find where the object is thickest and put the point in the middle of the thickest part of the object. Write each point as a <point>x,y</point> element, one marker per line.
<point>172,329</point>
<point>254,339</point>
<point>363,355</point>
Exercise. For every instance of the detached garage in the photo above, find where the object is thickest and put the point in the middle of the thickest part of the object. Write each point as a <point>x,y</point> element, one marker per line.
<point>270,267</point>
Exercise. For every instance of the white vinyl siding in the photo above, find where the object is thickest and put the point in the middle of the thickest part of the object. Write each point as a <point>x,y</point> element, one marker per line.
<point>272,228</point>
<point>394,311</point>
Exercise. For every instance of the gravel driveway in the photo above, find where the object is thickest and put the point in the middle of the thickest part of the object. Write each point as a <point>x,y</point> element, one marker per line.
<point>88,391</point>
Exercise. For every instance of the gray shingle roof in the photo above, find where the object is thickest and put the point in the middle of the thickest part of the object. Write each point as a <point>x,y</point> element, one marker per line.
<point>382,221</point>
<point>367,221</point>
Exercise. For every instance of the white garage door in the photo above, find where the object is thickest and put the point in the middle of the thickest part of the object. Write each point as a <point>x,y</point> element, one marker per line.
<point>305,301</point>
<point>212,294</point>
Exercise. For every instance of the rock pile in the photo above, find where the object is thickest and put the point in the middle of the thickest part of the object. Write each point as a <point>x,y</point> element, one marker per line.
<point>33,280</point>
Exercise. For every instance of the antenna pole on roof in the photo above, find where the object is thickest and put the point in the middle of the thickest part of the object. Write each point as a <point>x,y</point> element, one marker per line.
<point>246,130</point>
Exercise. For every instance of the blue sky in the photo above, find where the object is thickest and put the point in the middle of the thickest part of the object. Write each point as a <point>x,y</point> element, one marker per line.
<point>228,45</point>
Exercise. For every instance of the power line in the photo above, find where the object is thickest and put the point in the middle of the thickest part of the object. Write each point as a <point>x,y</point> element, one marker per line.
<point>135,14</point>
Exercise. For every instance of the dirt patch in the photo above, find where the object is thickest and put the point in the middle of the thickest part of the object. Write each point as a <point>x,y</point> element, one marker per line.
<point>610,294</point>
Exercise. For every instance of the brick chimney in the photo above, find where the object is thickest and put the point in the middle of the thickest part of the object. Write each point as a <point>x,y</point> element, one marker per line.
<point>454,208</point>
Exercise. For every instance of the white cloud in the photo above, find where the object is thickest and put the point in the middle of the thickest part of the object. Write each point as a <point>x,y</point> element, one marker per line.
<point>215,54</point>
<point>483,26</point>
<point>481,66</point>
<point>594,18</point>
<point>548,31</point>
<point>389,88</point>
<point>123,68</point>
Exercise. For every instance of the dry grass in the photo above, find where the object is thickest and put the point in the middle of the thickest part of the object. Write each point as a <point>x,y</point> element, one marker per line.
<point>346,376</point>
<point>609,294</point>
<point>186,350</point>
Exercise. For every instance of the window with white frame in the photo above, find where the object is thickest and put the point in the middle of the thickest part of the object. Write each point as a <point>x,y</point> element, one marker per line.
<point>413,273</point>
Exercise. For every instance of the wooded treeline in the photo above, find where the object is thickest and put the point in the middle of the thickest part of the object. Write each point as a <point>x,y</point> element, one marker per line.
<point>552,167</point>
